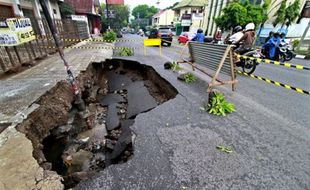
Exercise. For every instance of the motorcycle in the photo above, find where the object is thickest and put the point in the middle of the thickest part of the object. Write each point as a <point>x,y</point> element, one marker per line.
<point>248,66</point>
<point>285,52</point>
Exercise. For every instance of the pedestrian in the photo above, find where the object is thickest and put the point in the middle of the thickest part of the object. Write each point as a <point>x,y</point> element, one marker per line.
<point>200,37</point>
<point>218,36</point>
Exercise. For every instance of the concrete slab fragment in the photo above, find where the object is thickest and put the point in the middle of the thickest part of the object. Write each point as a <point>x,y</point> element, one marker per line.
<point>112,117</point>
<point>139,100</point>
<point>111,99</point>
<point>117,82</point>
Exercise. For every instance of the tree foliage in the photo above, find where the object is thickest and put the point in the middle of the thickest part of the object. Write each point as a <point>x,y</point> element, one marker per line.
<point>292,12</point>
<point>66,9</point>
<point>122,13</point>
<point>287,14</point>
<point>241,13</point>
<point>280,15</point>
<point>144,11</point>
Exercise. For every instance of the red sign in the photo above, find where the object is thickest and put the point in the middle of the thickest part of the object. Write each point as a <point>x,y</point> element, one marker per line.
<point>116,2</point>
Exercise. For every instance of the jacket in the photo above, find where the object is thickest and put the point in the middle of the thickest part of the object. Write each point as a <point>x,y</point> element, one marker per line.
<point>248,39</point>
<point>200,37</point>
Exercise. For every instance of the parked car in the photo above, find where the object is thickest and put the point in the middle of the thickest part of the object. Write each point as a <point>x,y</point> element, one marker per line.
<point>166,35</point>
<point>153,34</point>
<point>185,37</point>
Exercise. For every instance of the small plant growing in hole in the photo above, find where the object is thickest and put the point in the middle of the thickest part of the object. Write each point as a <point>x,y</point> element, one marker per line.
<point>218,105</point>
<point>190,78</point>
<point>109,37</point>
<point>126,52</point>
<point>176,67</point>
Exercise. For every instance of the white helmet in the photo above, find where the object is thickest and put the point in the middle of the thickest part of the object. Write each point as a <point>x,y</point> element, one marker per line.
<point>250,26</point>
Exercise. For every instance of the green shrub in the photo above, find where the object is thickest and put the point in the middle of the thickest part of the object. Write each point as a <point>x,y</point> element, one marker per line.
<point>126,52</point>
<point>218,105</point>
<point>190,78</point>
<point>295,43</point>
<point>109,37</point>
<point>176,67</point>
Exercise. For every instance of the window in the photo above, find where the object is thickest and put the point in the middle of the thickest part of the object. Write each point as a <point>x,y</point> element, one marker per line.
<point>54,11</point>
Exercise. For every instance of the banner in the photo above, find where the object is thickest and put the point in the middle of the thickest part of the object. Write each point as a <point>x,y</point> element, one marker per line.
<point>15,31</point>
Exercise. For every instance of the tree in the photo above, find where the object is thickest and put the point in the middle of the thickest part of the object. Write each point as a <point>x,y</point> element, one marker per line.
<point>280,15</point>
<point>144,11</point>
<point>240,13</point>
<point>265,6</point>
<point>65,9</point>
<point>292,12</point>
<point>122,16</point>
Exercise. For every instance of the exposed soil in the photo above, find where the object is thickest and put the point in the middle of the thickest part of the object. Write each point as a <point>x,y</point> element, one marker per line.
<point>76,142</point>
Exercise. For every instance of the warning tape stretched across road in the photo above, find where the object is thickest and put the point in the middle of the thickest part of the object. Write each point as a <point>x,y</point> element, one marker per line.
<point>88,47</point>
<point>299,90</point>
<point>268,61</point>
<point>93,40</point>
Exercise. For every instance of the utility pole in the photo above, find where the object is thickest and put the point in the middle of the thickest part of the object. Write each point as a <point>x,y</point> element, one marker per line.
<point>108,17</point>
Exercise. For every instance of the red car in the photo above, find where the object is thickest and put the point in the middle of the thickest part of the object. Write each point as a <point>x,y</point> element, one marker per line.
<point>185,37</point>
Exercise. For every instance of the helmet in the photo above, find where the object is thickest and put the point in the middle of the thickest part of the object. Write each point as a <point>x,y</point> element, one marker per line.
<point>282,34</point>
<point>238,29</point>
<point>199,30</point>
<point>271,33</point>
<point>250,26</point>
<point>276,34</point>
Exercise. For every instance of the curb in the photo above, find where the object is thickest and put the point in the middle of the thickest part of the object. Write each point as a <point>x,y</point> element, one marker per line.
<point>300,57</point>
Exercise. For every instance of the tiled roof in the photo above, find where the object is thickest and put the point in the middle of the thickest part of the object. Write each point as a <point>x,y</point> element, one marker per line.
<point>191,3</point>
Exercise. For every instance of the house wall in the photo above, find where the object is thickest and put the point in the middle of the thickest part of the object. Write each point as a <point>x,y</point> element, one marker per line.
<point>166,18</point>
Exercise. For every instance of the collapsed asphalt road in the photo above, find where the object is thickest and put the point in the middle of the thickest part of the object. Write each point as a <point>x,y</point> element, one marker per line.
<point>175,145</point>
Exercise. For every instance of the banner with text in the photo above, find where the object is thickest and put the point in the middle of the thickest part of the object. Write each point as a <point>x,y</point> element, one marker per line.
<point>15,31</point>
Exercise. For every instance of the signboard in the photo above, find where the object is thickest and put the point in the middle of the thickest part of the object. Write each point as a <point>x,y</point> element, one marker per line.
<point>197,16</point>
<point>112,14</point>
<point>186,17</point>
<point>115,2</point>
<point>15,31</point>
<point>186,23</point>
<point>79,18</point>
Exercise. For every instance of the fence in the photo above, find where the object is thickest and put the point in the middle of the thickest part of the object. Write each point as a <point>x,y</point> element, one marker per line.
<point>27,53</point>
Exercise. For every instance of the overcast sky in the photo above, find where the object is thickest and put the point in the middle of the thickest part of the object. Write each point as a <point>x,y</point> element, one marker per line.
<point>163,3</point>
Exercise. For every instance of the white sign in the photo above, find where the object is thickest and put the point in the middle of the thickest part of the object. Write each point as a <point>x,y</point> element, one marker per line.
<point>197,16</point>
<point>186,22</point>
<point>79,18</point>
<point>16,31</point>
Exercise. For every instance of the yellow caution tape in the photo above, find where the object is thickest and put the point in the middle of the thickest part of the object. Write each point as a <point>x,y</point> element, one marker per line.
<point>299,90</point>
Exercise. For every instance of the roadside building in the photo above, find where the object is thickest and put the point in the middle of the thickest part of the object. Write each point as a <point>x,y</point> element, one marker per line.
<point>189,13</point>
<point>212,10</point>
<point>163,18</point>
<point>90,9</point>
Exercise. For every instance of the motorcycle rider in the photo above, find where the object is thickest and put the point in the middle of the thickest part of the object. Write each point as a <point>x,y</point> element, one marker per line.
<point>270,36</point>
<point>272,47</point>
<point>200,37</point>
<point>247,40</point>
<point>282,37</point>
<point>238,34</point>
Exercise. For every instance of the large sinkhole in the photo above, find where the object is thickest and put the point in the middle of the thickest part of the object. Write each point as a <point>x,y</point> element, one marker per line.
<point>76,144</point>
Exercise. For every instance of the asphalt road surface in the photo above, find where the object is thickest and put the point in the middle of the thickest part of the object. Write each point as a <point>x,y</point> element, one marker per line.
<point>175,145</point>
<point>288,103</point>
